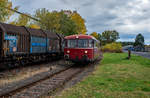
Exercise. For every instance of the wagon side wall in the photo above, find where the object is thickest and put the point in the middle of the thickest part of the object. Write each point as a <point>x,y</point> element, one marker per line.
<point>23,43</point>
<point>38,44</point>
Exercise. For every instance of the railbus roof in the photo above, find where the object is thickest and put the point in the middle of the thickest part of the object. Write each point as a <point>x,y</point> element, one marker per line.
<point>80,36</point>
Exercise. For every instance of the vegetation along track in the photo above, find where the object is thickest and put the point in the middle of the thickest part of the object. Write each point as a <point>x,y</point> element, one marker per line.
<point>8,89</point>
<point>22,73</point>
<point>43,85</point>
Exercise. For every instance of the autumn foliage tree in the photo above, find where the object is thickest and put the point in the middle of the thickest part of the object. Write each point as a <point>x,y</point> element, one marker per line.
<point>5,13</point>
<point>106,37</point>
<point>80,22</point>
<point>56,21</point>
<point>21,21</point>
<point>48,20</point>
<point>25,21</point>
<point>112,47</point>
<point>95,34</point>
<point>67,25</point>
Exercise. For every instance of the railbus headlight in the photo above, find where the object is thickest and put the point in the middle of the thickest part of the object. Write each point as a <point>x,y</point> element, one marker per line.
<point>85,51</point>
<point>68,51</point>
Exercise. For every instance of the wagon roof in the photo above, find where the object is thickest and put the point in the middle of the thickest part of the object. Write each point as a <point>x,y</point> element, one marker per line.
<point>80,36</point>
<point>36,32</point>
<point>12,29</point>
<point>51,35</point>
<point>25,30</point>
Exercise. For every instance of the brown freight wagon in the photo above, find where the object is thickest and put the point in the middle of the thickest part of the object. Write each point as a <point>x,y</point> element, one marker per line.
<point>20,45</point>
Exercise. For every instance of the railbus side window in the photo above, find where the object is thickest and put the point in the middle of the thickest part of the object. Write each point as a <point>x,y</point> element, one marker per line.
<point>65,43</point>
<point>91,43</point>
<point>95,44</point>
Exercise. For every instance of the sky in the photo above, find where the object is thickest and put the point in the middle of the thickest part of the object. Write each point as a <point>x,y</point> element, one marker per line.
<point>128,17</point>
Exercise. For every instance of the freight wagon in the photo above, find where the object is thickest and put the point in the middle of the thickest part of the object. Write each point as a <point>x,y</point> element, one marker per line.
<point>21,45</point>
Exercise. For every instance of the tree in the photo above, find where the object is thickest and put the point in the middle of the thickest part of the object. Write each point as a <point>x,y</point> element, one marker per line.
<point>139,42</point>
<point>48,20</point>
<point>21,21</point>
<point>95,34</point>
<point>80,22</point>
<point>109,36</point>
<point>100,39</point>
<point>56,21</point>
<point>5,13</point>
<point>67,26</point>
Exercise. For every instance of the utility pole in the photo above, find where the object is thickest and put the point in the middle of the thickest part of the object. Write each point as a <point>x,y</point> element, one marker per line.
<point>129,53</point>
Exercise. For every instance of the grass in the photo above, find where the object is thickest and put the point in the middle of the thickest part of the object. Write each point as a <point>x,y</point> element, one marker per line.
<point>115,77</point>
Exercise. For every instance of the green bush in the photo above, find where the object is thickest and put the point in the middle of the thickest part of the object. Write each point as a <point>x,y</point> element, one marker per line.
<point>113,47</point>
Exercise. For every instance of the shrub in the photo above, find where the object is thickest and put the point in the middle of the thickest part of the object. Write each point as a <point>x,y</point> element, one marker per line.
<point>112,47</point>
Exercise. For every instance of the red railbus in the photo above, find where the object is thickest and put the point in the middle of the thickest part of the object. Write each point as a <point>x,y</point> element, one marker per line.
<point>81,48</point>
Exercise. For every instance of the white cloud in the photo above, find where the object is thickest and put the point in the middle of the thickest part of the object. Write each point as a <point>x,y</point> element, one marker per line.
<point>126,16</point>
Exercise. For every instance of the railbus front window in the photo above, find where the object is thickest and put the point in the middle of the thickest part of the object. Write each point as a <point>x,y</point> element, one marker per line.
<point>72,43</point>
<point>83,43</point>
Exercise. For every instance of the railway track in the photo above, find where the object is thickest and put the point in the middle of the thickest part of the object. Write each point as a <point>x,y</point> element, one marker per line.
<point>56,68</point>
<point>14,76</point>
<point>42,86</point>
